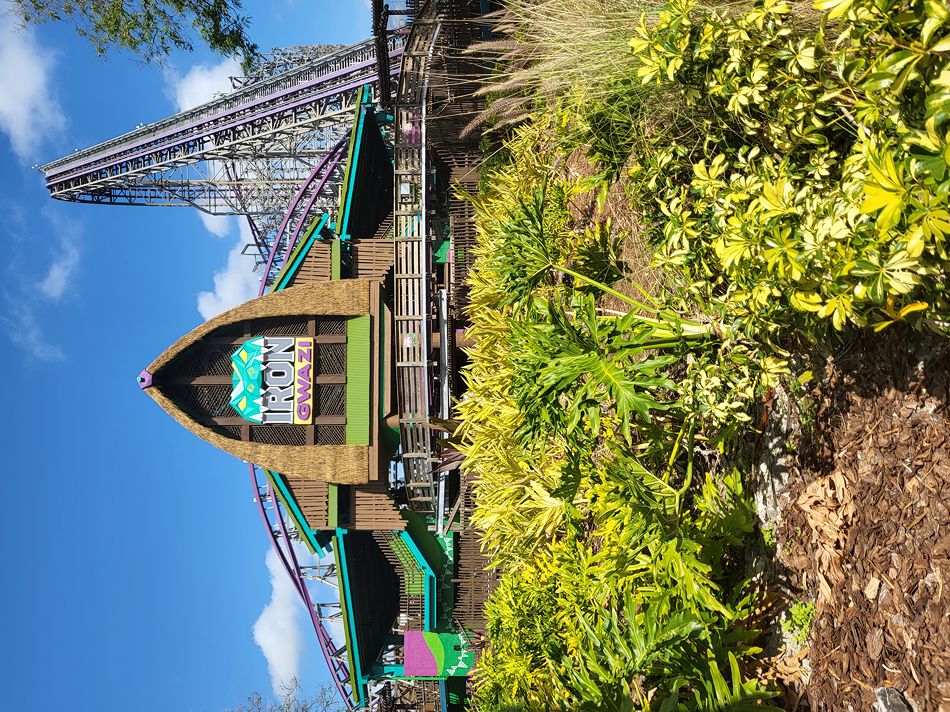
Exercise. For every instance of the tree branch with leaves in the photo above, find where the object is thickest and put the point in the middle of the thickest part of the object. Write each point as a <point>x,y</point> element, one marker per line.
<point>151,29</point>
<point>325,699</point>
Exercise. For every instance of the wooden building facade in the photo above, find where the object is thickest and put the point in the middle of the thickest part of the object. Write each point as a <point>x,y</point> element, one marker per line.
<point>331,382</point>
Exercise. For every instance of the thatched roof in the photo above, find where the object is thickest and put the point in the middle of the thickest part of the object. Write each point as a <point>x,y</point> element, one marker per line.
<point>345,297</point>
<point>343,464</point>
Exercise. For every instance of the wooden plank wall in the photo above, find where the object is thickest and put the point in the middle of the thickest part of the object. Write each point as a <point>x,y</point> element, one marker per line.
<point>312,499</point>
<point>372,508</point>
<point>453,105</point>
<point>372,259</point>
<point>316,265</point>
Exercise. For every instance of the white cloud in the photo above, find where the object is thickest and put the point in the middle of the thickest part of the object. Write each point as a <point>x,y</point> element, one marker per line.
<point>277,630</point>
<point>29,114</point>
<point>28,294</point>
<point>217,225</point>
<point>61,271</point>
<point>15,223</point>
<point>234,284</point>
<point>25,332</point>
<point>202,82</point>
<point>66,258</point>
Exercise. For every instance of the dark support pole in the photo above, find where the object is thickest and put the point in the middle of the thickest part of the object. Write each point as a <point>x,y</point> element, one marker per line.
<point>380,30</point>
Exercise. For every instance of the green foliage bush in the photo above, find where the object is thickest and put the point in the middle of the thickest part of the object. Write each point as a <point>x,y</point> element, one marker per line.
<point>812,182</point>
<point>630,605</point>
<point>622,582</point>
<point>789,166</point>
<point>798,623</point>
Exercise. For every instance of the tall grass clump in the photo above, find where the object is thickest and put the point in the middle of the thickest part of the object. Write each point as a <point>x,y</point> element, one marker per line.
<point>549,48</point>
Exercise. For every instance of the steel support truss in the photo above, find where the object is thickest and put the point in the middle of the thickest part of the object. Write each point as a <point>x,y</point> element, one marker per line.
<point>244,153</point>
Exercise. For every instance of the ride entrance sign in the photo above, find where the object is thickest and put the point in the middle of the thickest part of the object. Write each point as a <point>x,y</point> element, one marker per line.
<point>272,380</point>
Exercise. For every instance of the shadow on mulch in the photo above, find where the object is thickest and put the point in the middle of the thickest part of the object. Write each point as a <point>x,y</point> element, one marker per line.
<point>866,524</point>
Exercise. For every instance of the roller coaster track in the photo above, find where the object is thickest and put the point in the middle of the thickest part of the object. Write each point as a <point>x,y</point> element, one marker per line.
<point>133,169</point>
<point>279,533</point>
<point>298,213</point>
<point>412,306</point>
<point>243,153</point>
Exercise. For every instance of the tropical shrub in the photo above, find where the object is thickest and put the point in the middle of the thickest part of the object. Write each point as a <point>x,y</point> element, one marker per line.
<point>814,183</point>
<point>789,166</point>
<point>622,576</point>
<point>630,606</point>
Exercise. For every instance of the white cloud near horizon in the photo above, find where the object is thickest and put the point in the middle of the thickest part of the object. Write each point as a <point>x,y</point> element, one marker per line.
<point>277,630</point>
<point>31,116</point>
<point>235,283</point>
<point>29,112</point>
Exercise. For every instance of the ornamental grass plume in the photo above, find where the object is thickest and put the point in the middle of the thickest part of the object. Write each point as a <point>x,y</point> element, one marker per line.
<point>549,47</point>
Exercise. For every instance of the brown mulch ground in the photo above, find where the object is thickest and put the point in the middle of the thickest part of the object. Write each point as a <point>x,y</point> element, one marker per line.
<point>866,524</point>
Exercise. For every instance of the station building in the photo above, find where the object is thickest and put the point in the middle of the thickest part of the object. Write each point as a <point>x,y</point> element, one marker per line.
<point>337,383</point>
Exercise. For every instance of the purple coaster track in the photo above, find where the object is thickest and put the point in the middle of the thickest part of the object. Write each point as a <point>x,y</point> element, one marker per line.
<point>177,143</point>
<point>320,174</point>
<point>288,558</point>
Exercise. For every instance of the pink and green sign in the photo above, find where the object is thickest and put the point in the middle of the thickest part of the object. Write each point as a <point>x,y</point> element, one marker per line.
<point>436,654</point>
<point>272,380</point>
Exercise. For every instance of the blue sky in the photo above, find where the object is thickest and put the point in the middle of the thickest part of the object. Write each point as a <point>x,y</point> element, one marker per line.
<point>135,559</point>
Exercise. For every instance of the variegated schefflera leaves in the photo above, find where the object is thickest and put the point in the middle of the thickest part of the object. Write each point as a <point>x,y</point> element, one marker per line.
<point>816,174</point>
